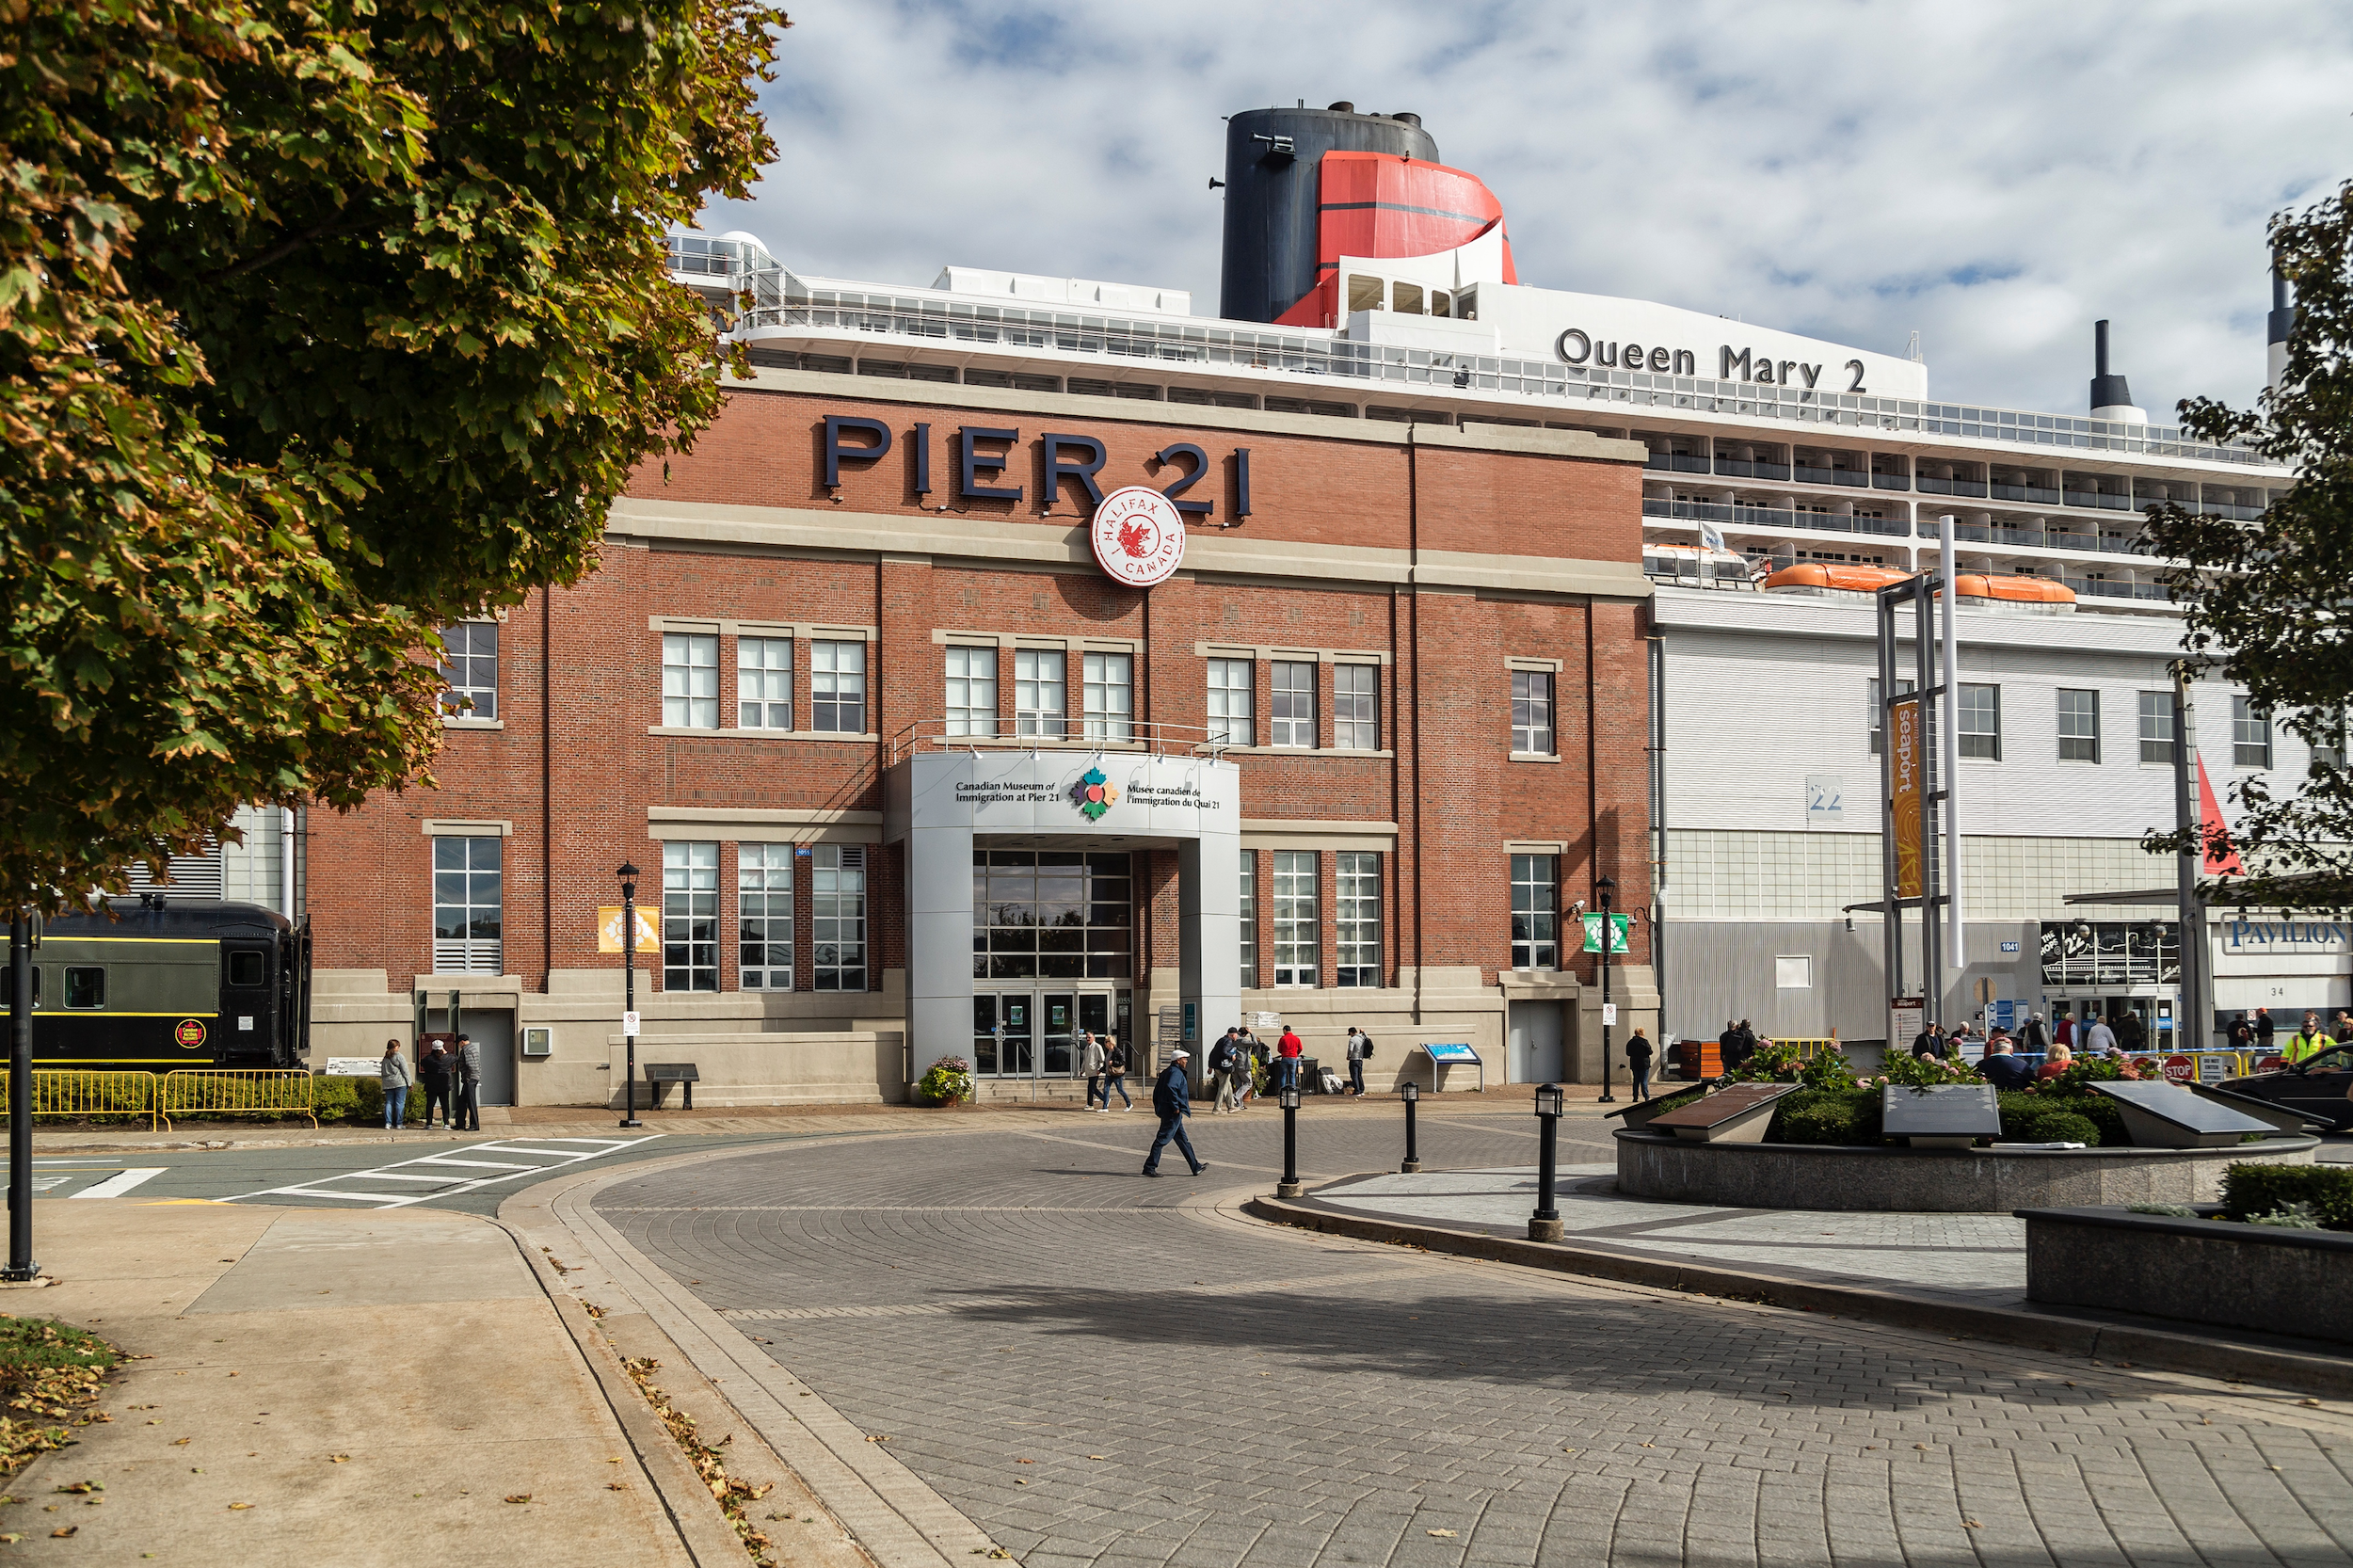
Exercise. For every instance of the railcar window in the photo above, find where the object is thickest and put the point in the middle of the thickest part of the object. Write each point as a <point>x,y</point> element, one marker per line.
<point>85,988</point>
<point>245,968</point>
<point>7,986</point>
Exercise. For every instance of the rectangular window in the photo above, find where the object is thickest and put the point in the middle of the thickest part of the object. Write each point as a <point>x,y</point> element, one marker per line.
<point>2250,734</point>
<point>2079,726</point>
<point>1531,712</point>
<point>85,988</point>
<point>1980,714</point>
<point>1357,939</point>
<point>837,910</point>
<point>764,682</point>
<point>971,691</point>
<point>2157,726</point>
<point>690,680</point>
<point>1298,916</point>
<point>690,917</point>
<point>1109,695</point>
<point>466,906</point>
<point>1039,706</point>
<point>1249,920</point>
<point>763,916</point>
<point>1293,716</point>
<point>470,667</point>
<point>2328,740</point>
<point>1355,706</point>
<point>1230,702</point>
<point>836,688</point>
<point>1535,911</point>
<point>7,986</point>
<point>1878,714</point>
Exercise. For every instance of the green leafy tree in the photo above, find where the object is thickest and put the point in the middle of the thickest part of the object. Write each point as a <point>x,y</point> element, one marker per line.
<point>321,325</point>
<point>2269,600</point>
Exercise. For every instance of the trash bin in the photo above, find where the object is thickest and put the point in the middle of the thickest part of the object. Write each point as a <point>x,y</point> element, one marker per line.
<point>1311,1076</point>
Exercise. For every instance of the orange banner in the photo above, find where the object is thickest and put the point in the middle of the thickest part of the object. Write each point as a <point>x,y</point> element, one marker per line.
<point>1908,762</point>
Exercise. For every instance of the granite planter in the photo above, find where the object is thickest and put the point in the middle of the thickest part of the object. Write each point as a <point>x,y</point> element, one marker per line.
<point>1950,1181</point>
<point>2215,1271</point>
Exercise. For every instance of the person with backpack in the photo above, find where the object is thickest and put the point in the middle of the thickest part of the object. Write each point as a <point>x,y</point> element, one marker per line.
<point>1225,1059</point>
<point>393,1071</point>
<point>433,1074</point>
<point>1359,1049</point>
<point>1116,1073</point>
<point>1172,1101</point>
<point>1090,1064</point>
<point>1638,1060</point>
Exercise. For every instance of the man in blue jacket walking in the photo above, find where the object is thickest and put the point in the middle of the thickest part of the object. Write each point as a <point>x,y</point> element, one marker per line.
<point>1172,1101</point>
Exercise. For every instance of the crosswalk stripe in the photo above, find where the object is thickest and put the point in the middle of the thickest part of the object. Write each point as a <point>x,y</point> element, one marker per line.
<point>121,1182</point>
<point>446,1183</point>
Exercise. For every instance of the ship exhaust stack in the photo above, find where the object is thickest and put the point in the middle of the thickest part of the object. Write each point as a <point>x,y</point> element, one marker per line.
<point>2282,322</point>
<point>2111,399</point>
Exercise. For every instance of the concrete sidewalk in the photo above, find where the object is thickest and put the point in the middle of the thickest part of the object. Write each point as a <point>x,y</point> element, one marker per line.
<point>417,1344</point>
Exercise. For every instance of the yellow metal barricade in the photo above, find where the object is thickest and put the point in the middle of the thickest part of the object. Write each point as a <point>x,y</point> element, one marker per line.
<point>1809,1048</point>
<point>233,1091</point>
<point>61,1092</point>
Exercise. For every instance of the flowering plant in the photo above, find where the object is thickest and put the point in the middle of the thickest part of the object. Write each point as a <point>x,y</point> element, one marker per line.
<point>949,1083</point>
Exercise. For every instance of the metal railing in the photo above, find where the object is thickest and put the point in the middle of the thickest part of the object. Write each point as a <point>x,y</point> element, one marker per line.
<point>1209,344</point>
<point>1157,739</point>
<point>68,1093</point>
<point>1771,517</point>
<point>231,1091</point>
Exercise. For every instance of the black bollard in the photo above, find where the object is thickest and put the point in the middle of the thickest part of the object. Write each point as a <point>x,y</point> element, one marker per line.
<point>1545,1225</point>
<point>1289,1187</point>
<point>1410,1093</point>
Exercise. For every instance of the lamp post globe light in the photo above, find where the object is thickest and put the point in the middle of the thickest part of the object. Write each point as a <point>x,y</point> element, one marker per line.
<point>1287,1097</point>
<point>1411,1094</point>
<point>627,873</point>
<point>1545,1225</point>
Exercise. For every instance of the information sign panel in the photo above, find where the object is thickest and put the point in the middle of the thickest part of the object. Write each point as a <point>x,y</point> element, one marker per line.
<point>1739,1114</point>
<point>1608,1015</point>
<point>352,1066</point>
<point>1930,1114</point>
<point>2217,1066</point>
<point>629,1026</point>
<point>2166,1115</point>
<point>1452,1054</point>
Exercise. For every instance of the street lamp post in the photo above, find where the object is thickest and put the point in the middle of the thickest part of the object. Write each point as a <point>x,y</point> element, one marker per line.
<point>1609,933</point>
<point>1545,1225</point>
<point>21,1265</point>
<point>1287,1096</point>
<point>627,873</point>
<point>1410,1093</point>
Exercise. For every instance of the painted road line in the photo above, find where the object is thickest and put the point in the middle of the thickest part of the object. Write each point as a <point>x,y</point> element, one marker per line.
<point>569,1152</point>
<point>123,1181</point>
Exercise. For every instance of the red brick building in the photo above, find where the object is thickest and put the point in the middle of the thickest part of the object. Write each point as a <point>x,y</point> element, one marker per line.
<point>1417,643</point>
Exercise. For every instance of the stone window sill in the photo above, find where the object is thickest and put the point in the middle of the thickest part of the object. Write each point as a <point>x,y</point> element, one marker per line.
<point>1534,757</point>
<point>453,721</point>
<point>684,731</point>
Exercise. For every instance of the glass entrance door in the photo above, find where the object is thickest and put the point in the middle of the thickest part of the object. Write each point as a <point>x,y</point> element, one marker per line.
<point>1003,1044</point>
<point>1059,1009</point>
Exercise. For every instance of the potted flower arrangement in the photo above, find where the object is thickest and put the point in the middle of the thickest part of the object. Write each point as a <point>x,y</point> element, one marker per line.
<point>948,1082</point>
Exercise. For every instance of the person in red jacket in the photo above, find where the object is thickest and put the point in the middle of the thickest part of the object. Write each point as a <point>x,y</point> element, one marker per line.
<point>1287,1052</point>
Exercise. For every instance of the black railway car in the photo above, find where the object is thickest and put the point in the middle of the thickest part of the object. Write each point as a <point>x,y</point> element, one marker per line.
<point>163,985</point>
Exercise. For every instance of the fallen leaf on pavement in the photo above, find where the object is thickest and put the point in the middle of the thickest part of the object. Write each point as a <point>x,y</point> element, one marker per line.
<point>1444,1534</point>
<point>1098,1456</point>
<point>1646,1445</point>
<point>183,1442</point>
<point>1017,1460</point>
<point>879,1438</point>
<point>81,1486</point>
<point>617,1486</point>
<point>1922,1447</point>
<point>338,1458</point>
<point>518,1496</point>
<point>1971,1524</point>
<point>2314,1405</point>
<point>63,1530</point>
<point>234,1508</point>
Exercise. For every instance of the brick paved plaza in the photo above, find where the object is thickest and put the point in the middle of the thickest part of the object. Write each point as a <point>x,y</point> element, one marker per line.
<point>1101,1370</point>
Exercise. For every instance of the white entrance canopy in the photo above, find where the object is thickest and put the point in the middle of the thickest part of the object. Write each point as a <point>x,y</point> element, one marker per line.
<point>939,803</point>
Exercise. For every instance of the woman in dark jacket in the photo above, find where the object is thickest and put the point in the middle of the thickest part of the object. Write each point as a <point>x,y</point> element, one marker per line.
<point>433,1074</point>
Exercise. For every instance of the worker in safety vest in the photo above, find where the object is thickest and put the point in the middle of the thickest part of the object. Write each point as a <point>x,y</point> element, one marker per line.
<point>2308,1041</point>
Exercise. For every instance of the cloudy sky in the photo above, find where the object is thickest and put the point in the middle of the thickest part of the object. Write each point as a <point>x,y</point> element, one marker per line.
<point>1994,176</point>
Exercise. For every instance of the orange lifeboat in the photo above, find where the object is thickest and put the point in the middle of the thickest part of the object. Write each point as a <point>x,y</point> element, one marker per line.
<point>2016,590</point>
<point>1830,574</point>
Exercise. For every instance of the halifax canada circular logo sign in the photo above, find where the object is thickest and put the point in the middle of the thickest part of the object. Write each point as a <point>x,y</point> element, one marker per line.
<point>1139,538</point>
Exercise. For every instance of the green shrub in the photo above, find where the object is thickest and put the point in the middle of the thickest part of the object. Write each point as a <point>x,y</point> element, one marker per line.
<point>2059,1119</point>
<point>1827,1116</point>
<point>2326,1190</point>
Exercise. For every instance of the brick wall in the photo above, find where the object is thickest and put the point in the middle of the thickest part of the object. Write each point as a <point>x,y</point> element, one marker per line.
<point>576,778</point>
